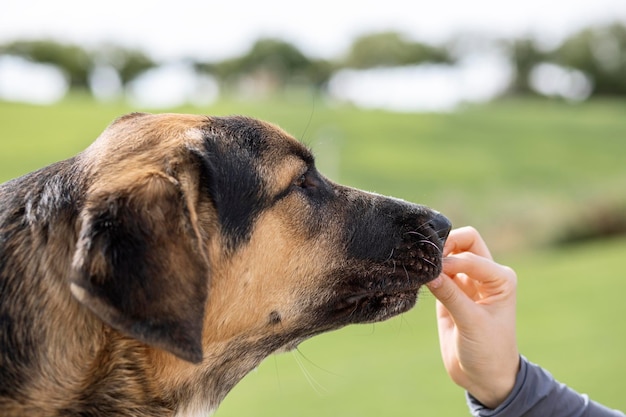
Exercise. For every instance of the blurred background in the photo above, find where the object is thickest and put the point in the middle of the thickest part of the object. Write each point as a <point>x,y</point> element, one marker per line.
<point>510,116</point>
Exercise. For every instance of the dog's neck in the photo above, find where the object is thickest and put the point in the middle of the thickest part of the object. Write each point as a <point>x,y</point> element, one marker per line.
<point>198,389</point>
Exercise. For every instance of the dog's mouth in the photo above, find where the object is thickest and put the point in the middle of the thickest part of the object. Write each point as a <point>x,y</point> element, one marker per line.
<point>382,292</point>
<point>374,306</point>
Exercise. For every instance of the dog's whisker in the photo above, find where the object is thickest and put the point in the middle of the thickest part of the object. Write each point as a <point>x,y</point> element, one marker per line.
<point>425,239</point>
<point>313,363</point>
<point>412,232</point>
<point>317,387</point>
<point>390,255</point>
<point>308,123</point>
<point>430,262</point>
<point>277,373</point>
<point>404,321</point>
<point>428,242</point>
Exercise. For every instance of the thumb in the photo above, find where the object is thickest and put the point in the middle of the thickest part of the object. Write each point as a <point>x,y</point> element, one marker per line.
<point>452,297</point>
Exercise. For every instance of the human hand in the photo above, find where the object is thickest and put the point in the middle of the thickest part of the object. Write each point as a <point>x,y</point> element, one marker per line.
<point>476,318</point>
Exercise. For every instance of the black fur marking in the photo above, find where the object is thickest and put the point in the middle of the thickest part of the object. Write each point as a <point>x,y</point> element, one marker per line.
<point>233,147</point>
<point>274,318</point>
<point>148,260</point>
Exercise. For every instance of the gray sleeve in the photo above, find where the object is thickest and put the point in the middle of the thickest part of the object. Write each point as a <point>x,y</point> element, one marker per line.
<point>537,394</point>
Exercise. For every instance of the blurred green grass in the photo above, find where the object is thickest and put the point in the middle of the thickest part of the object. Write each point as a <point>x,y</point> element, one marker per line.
<point>519,170</point>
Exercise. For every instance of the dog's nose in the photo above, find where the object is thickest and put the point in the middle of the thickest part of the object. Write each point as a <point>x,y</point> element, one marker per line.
<point>441,225</point>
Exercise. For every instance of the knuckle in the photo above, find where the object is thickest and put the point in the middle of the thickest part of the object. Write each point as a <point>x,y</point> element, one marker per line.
<point>510,277</point>
<point>510,273</point>
<point>448,295</point>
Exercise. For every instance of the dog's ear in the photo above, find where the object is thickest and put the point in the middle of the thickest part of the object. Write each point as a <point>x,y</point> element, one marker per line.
<point>140,264</point>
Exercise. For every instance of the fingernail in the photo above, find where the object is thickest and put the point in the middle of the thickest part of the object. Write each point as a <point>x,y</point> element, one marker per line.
<point>435,283</point>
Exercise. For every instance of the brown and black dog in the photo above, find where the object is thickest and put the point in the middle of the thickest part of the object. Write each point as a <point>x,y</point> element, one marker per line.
<point>147,275</point>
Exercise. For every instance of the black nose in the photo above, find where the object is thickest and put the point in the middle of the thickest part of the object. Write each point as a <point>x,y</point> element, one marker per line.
<point>441,225</point>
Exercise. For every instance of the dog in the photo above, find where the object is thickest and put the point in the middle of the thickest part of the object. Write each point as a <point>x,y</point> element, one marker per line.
<point>150,273</point>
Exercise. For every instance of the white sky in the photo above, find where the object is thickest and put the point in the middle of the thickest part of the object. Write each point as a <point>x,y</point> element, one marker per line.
<point>216,29</point>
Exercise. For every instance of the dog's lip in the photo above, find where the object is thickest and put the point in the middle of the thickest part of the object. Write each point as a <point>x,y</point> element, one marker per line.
<point>389,280</point>
<point>393,289</point>
<point>360,297</point>
<point>357,296</point>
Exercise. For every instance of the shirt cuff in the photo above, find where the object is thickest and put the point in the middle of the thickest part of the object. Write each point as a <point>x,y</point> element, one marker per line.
<point>480,410</point>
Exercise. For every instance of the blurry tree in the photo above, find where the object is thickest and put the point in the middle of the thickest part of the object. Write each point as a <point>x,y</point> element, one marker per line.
<point>280,58</point>
<point>525,55</point>
<point>279,62</point>
<point>129,63</point>
<point>600,53</point>
<point>390,49</point>
<point>71,59</point>
<point>77,63</point>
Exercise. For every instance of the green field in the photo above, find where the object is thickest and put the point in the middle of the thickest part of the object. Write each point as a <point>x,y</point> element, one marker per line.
<point>523,172</point>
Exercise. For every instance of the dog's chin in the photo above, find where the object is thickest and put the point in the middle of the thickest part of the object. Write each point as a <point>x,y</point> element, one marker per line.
<point>374,306</point>
<point>357,308</point>
<point>371,298</point>
<point>370,307</point>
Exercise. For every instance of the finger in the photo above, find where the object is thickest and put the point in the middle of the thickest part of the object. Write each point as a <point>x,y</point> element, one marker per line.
<point>455,301</point>
<point>444,319</point>
<point>445,323</point>
<point>466,284</point>
<point>466,239</point>
<point>477,268</point>
<point>446,331</point>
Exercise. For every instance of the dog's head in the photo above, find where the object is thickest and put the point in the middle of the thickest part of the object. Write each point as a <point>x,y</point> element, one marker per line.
<point>199,230</point>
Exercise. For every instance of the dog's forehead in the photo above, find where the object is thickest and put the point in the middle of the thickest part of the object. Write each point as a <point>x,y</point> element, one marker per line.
<point>135,131</point>
<point>139,142</point>
<point>144,135</point>
<point>271,152</point>
<point>258,138</point>
<point>160,130</point>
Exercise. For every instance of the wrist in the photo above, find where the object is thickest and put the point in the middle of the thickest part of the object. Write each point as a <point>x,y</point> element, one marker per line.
<point>489,398</point>
<point>496,390</point>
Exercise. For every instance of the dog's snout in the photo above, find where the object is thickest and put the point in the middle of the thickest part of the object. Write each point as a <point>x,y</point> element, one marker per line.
<point>441,225</point>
